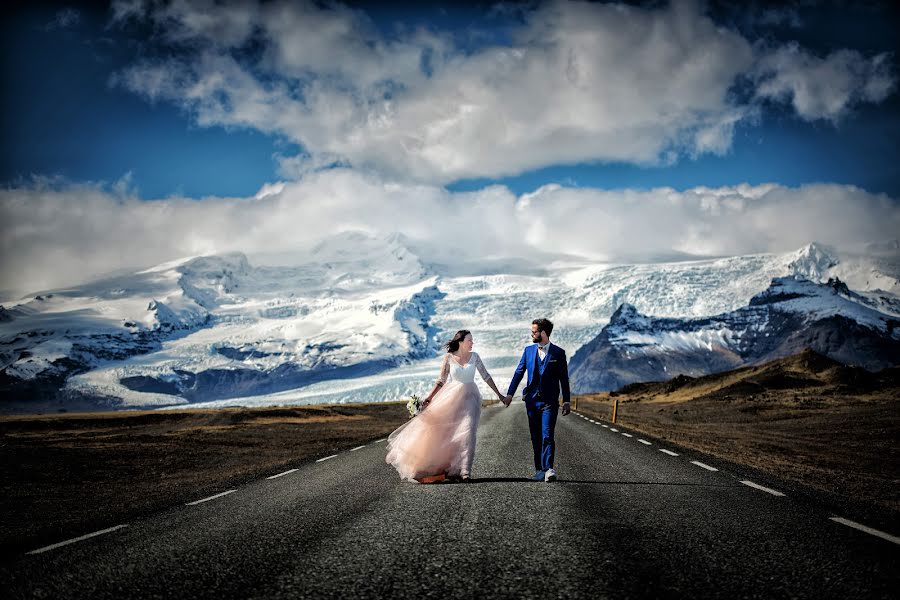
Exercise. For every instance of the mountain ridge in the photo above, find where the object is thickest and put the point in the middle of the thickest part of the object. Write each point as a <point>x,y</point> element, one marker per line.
<point>790,315</point>
<point>356,319</point>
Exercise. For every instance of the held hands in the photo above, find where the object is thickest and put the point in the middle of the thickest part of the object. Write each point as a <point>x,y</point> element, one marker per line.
<point>506,400</point>
<point>566,408</point>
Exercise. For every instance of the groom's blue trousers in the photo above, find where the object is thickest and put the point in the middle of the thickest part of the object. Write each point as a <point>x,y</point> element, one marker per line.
<point>541,423</point>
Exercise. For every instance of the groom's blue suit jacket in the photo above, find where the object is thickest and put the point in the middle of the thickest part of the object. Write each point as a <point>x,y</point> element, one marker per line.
<point>545,378</point>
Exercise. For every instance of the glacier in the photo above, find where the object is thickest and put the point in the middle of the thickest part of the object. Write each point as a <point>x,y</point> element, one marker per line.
<point>359,318</point>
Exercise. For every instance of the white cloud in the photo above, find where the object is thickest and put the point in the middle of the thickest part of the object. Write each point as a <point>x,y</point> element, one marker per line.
<point>823,88</point>
<point>577,82</point>
<point>788,16</point>
<point>64,19</point>
<point>53,234</point>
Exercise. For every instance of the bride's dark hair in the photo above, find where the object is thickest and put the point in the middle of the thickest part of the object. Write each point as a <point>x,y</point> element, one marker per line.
<point>453,345</point>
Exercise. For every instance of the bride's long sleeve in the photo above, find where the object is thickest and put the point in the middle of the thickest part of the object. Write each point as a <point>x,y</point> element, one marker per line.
<point>445,370</point>
<point>482,370</point>
<point>441,380</point>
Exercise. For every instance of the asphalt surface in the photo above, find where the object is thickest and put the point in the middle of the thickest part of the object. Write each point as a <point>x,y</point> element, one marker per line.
<point>624,520</point>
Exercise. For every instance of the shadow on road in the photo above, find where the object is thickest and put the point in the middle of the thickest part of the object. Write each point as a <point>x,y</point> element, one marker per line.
<point>578,481</point>
<point>500,480</point>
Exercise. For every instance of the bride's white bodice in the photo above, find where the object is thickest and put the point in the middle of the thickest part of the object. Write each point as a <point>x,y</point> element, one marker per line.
<point>460,373</point>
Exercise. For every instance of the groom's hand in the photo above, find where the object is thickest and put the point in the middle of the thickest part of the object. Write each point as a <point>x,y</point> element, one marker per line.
<point>566,408</point>
<point>508,400</point>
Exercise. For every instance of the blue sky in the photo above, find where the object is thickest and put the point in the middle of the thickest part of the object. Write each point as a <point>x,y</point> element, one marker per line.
<point>137,132</point>
<point>61,116</point>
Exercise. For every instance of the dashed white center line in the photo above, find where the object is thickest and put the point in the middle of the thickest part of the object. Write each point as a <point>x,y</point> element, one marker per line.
<point>869,530</point>
<point>357,448</point>
<point>73,540</point>
<point>592,421</point>
<point>763,488</point>
<point>210,498</point>
<point>326,458</point>
<point>280,474</point>
<point>613,429</point>
<point>644,442</point>
<point>607,426</point>
<point>707,467</point>
<point>669,452</point>
<point>627,435</point>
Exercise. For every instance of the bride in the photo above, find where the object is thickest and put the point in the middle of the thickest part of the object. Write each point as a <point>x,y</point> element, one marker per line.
<point>439,443</point>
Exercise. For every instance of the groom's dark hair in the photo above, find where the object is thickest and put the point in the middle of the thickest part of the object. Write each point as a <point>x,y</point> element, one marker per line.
<point>543,325</point>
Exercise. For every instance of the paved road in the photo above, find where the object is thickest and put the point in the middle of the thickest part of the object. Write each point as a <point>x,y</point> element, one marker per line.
<point>625,520</point>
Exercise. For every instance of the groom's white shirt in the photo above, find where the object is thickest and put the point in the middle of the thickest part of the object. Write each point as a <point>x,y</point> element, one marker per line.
<point>542,350</point>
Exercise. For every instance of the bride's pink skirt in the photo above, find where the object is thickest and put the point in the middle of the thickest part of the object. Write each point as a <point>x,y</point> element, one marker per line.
<point>440,439</point>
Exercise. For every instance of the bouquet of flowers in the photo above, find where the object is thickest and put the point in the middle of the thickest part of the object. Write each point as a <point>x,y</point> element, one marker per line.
<point>414,405</point>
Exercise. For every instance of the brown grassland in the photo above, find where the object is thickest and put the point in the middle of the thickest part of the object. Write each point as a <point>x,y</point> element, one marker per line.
<point>77,473</point>
<point>803,419</point>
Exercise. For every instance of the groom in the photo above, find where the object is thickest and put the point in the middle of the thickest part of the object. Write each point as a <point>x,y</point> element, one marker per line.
<point>547,374</point>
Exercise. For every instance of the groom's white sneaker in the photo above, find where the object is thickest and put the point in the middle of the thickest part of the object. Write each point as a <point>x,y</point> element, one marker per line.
<point>538,476</point>
<point>550,475</point>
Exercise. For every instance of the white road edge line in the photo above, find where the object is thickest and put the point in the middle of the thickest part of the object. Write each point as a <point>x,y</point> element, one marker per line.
<point>869,530</point>
<point>669,452</point>
<point>644,442</point>
<point>763,488</point>
<point>357,448</point>
<point>381,440</point>
<point>627,435</point>
<point>210,498</point>
<point>280,474</point>
<point>707,467</point>
<point>607,426</point>
<point>592,421</point>
<point>613,429</point>
<point>73,540</point>
<point>326,458</point>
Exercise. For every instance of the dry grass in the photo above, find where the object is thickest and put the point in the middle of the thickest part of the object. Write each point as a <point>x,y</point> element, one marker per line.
<point>80,472</point>
<point>69,474</point>
<point>829,427</point>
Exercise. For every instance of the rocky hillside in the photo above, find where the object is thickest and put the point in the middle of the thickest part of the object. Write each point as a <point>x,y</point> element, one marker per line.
<point>792,314</point>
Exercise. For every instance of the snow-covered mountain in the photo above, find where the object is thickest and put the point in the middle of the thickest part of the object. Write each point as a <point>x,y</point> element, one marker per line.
<point>792,314</point>
<point>357,318</point>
